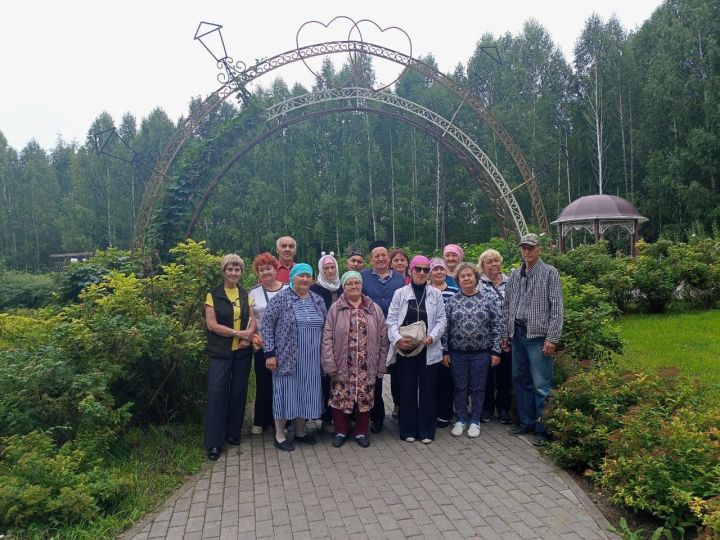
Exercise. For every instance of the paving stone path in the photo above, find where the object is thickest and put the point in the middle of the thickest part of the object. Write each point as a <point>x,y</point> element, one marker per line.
<point>495,486</point>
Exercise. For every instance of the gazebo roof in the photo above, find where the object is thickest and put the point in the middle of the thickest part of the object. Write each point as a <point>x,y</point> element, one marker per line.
<point>605,207</point>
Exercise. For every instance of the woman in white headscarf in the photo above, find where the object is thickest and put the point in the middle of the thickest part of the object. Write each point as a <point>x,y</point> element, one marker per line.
<point>328,287</point>
<point>328,279</point>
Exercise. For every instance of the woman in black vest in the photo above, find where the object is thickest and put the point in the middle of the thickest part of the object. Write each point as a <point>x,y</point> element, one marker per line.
<point>231,329</point>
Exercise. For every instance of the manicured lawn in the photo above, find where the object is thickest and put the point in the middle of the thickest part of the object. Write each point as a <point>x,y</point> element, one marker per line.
<point>689,341</point>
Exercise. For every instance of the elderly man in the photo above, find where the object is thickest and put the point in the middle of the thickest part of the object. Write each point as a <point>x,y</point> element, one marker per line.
<point>380,283</point>
<point>453,256</point>
<point>356,260</point>
<point>286,248</point>
<point>533,320</point>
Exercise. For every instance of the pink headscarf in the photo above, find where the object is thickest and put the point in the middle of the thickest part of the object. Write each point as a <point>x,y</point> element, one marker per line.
<point>419,259</point>
<point>454,248</point>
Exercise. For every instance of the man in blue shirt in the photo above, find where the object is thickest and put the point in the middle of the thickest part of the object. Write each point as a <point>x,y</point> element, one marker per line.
<point>380,283</point>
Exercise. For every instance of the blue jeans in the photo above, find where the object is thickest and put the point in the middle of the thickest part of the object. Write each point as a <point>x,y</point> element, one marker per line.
<point>532,378</point>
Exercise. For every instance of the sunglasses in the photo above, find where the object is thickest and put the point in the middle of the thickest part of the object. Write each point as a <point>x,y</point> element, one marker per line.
<point>423,269</point>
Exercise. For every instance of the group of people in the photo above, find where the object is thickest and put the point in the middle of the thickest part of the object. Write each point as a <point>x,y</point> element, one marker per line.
<point>448,333</point>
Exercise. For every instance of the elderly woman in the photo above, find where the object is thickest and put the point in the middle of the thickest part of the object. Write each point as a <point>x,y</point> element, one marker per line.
<point>399,262</point>
<point>292,331</point>
<point>453,255</point>
<point>470,344</point>
<point>499,379</point>
<point>416,322</point>
<point>438,279</point>
<point>354,349</point>
<point>265,267</point>
<point>230,331</point>
<point>329,288</point>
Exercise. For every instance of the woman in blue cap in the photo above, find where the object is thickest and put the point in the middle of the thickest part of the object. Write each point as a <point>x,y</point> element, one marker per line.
<point>292,330</point>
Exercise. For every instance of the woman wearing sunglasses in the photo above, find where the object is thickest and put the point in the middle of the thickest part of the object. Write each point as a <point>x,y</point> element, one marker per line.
<point>416,322</point>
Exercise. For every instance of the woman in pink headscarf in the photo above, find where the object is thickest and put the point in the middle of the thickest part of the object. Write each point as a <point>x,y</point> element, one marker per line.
<point>453,255</point>
<point>416,322</point>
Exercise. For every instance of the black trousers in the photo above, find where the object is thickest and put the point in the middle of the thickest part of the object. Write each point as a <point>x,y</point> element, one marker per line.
<point>227,393</point>
<point>325,384</point>
<point>444,393</point>
<point>394,390</point>
<point>377,413</point>
<point>418,396</point>
<point>498,386</point>
<point>263,414</point>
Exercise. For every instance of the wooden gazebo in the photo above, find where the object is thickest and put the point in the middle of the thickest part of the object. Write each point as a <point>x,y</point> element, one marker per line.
<point>597,214</point>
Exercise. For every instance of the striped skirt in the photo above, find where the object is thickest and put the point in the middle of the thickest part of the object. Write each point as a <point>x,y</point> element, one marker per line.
<point>299,395</point>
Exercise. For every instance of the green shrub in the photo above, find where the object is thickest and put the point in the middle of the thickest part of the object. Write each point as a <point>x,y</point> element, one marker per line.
<point>655,275</point>
<point>698,272</point>
<point>708,513</point>
<point>78,276</point>
<point>42,484</point>
<point>19,289</point>
<point>72,379</point>
<point>589,407</point>
<point>588,330</point>
<point>662,460</point>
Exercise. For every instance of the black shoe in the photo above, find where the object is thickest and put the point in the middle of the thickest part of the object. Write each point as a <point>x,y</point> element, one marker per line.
<point>505,417</point>
<point>441,423</point>
<point>285,446</point>
<point>376,427</point>
<point>213,453</point>
<point>362,440</point>
<point>485,416</point>
<point>540,440</point>
<point>305,439</point>
<point>235,441</point>
<point>339,440</point>
<point>518,430</point>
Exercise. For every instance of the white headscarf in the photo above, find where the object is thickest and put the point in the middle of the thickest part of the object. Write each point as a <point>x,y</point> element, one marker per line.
<point>333,285</point>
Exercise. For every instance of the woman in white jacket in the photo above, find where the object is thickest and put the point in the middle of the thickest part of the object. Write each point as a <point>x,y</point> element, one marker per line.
<point>416,322</point>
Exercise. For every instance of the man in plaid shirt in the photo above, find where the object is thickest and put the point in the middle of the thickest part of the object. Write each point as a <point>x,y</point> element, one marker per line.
<point>533,320</point>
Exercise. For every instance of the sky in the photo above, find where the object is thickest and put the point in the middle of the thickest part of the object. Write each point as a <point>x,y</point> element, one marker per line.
<point>65,62</point>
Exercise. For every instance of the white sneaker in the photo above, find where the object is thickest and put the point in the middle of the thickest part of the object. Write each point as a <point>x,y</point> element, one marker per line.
<point>458,429</point>
<point>409,439</point>
<point>427,441</point>
<point>474,430</point>
<point>256,430</point>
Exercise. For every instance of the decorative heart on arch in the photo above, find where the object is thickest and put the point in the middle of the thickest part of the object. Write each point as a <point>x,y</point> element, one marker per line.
<point>390,37</point>
<point>315,34</point>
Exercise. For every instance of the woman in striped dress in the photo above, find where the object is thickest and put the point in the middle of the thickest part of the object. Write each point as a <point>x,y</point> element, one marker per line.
<point>292,331</point>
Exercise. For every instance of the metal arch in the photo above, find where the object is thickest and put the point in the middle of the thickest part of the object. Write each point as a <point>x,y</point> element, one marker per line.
<point>447,127</point>
<point>472,165</point>
<point>237,85</point>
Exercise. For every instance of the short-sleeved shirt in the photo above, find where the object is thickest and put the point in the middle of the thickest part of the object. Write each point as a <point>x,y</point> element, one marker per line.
<point>234,297</point>
<point>259,298</point>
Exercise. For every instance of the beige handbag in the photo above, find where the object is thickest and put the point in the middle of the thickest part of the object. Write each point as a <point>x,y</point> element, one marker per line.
<point>416,331</point>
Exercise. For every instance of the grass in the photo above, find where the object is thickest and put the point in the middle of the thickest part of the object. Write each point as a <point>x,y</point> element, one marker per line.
<point>688,341</point>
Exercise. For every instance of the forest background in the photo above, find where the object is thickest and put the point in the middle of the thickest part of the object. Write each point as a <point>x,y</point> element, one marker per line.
<point>634,114</point>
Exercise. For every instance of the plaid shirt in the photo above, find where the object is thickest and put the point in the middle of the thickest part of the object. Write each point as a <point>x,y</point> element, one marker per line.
<point>545,303</point>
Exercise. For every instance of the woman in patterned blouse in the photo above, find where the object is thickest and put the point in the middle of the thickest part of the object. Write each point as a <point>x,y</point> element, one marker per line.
<point>292,331</point>
<point>471,343</point>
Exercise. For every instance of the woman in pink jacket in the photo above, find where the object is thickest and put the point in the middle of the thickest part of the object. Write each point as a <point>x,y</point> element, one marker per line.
<point>354,348</point>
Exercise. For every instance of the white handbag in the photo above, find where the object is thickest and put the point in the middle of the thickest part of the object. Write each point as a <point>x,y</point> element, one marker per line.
<point>416,331</point>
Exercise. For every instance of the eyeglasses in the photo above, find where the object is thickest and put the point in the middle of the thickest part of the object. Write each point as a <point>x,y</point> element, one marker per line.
<point>352,284</point>
<point>423,269</point>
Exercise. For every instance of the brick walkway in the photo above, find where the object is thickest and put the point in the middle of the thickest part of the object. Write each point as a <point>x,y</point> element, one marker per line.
<point>495,486</point>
